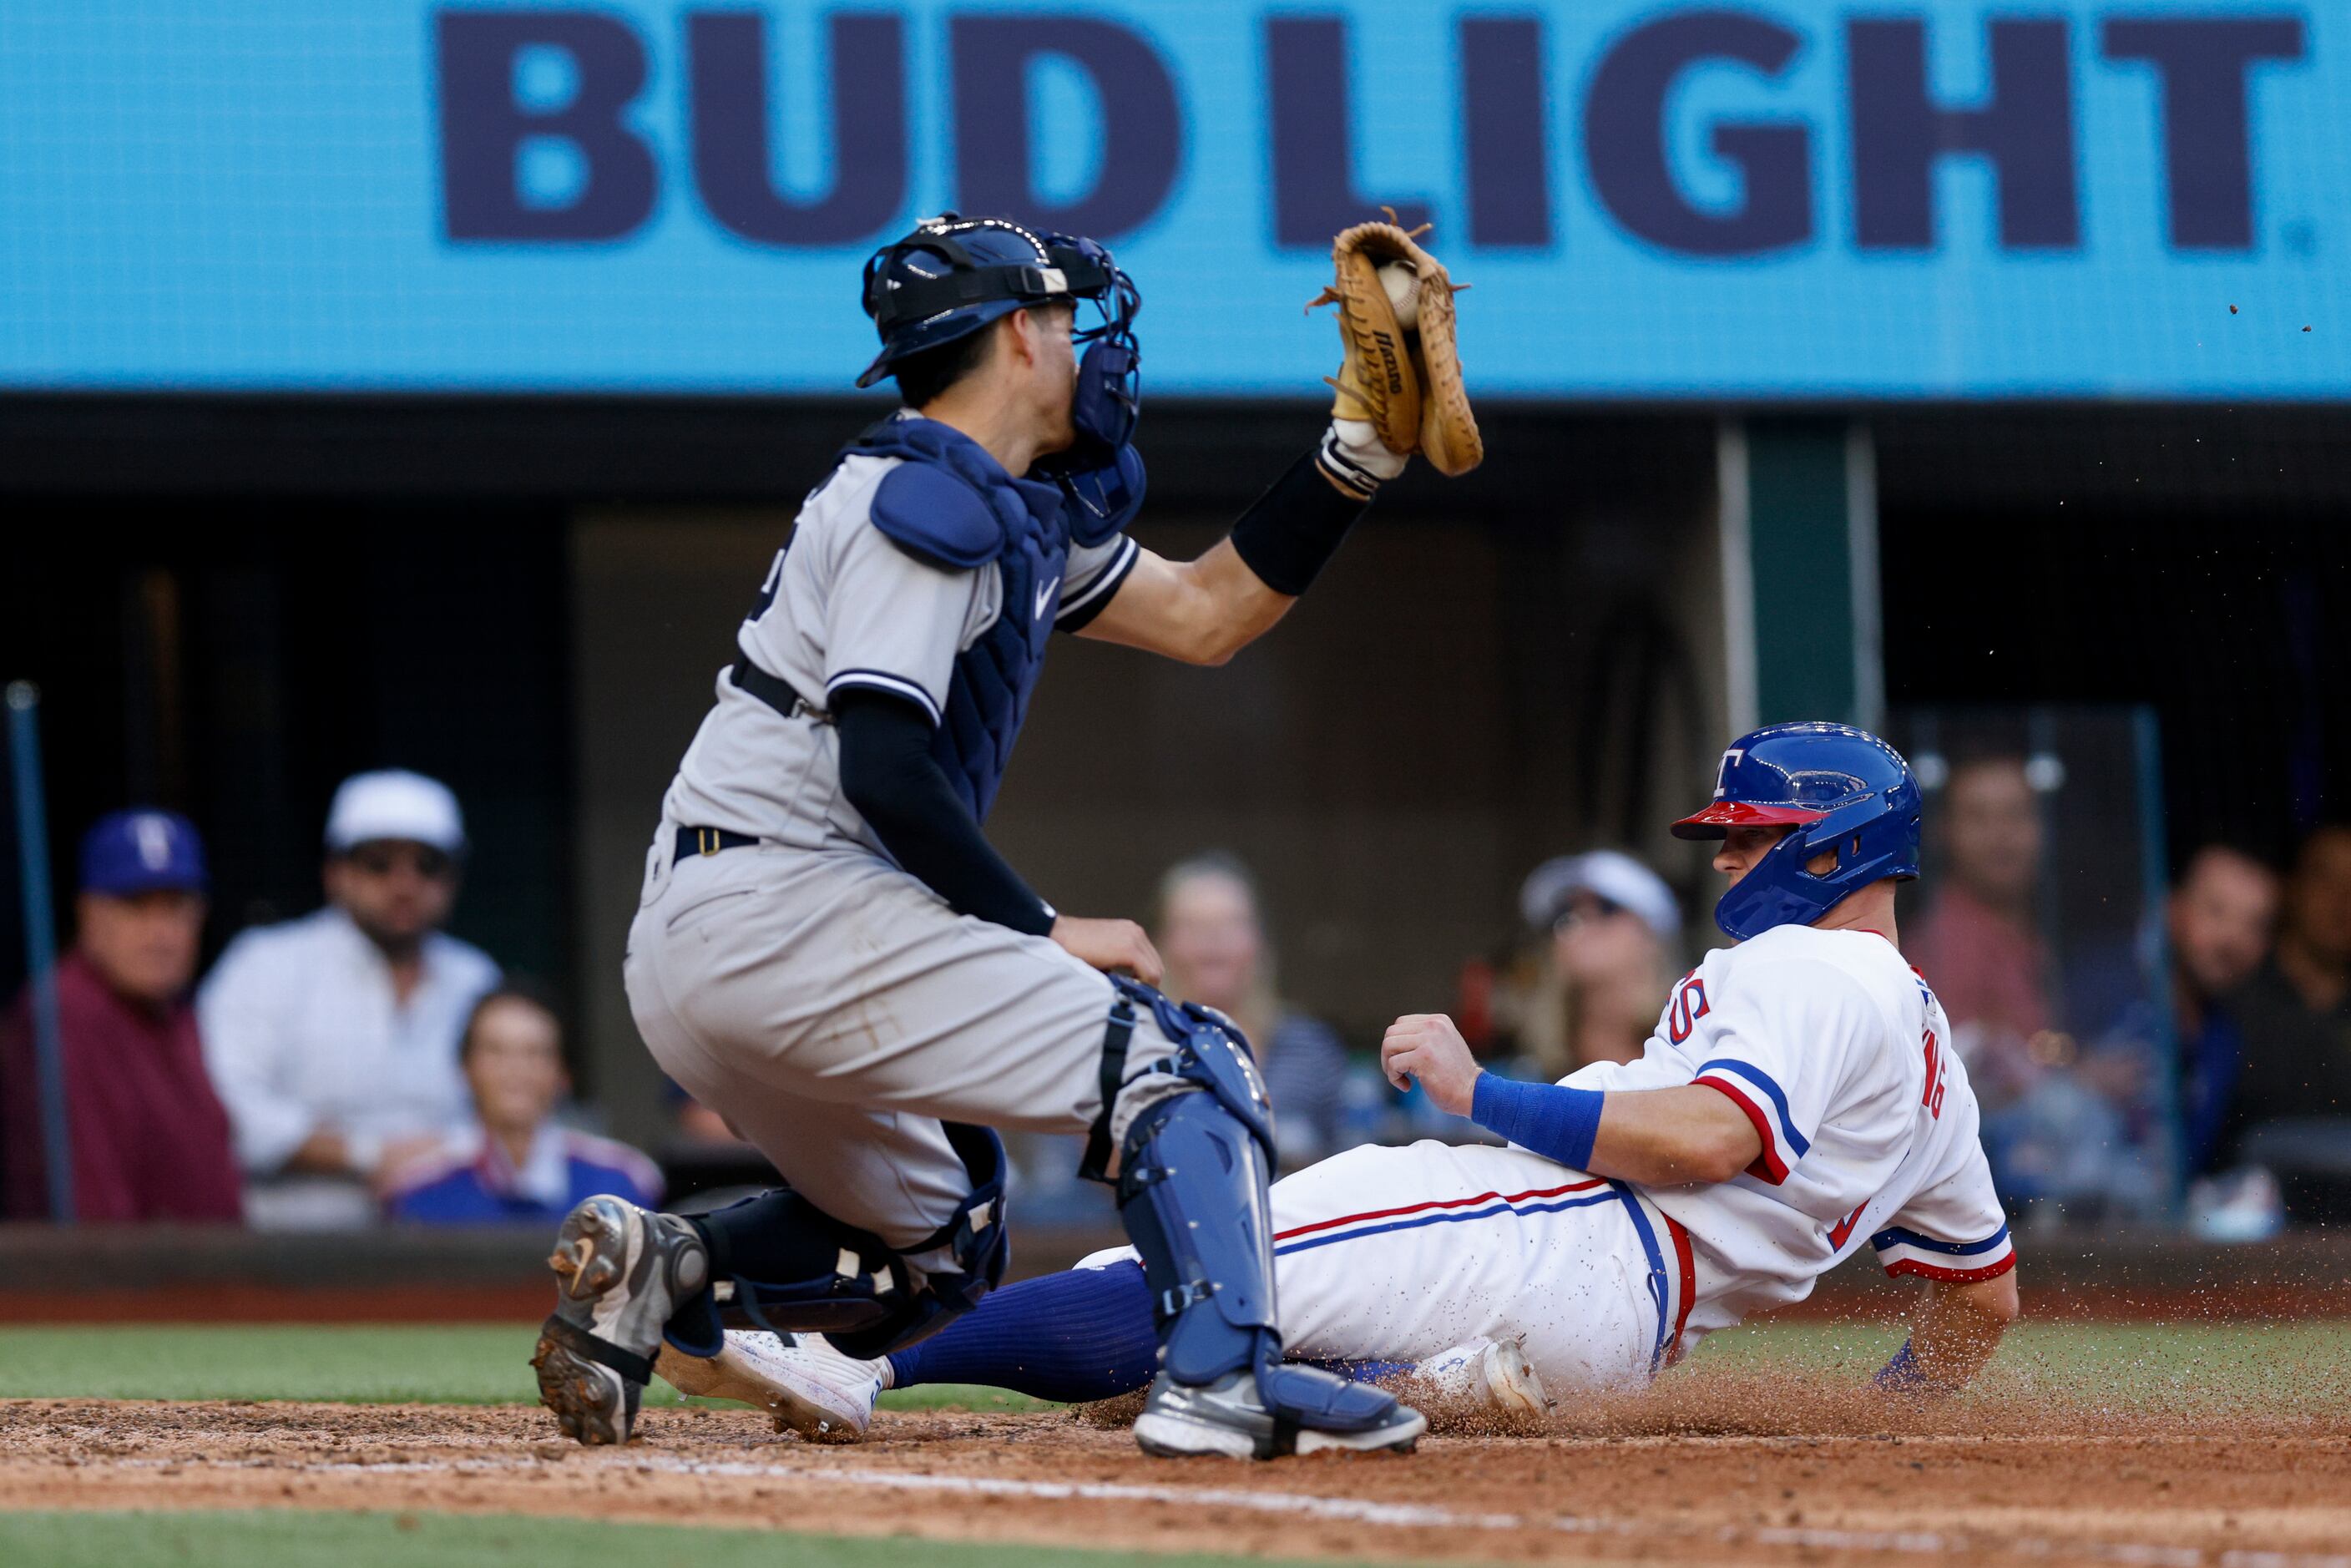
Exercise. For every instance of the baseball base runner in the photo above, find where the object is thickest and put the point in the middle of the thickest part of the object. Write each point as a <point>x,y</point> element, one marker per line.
<point>1797,1102</point>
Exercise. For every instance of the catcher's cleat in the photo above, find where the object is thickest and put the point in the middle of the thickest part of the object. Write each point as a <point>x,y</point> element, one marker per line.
<point>1310,1412</point>
<point>805,1384</point>
<point>621,1272</point>
<point>1492,1374</point>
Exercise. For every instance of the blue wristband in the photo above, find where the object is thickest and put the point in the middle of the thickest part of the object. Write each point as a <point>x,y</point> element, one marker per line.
<point>1551,1119</point>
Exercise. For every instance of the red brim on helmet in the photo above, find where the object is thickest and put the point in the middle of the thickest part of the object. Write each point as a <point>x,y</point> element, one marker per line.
<point>1724,815</point>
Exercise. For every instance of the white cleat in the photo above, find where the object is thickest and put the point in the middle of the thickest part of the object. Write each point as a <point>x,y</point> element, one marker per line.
<point>807,1387</point>
<point>1492,1374</point>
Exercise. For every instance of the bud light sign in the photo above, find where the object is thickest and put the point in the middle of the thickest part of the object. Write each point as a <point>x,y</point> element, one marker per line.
<point>1937,199</point>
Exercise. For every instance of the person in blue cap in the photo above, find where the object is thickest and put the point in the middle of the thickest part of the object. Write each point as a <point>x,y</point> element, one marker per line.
<point>149,1136</point>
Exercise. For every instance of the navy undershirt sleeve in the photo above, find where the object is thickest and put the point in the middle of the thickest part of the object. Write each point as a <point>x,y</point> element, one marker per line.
<point>890,776</point>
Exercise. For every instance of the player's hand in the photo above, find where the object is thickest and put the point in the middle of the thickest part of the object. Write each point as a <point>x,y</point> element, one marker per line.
<point>1113,946</point>
<point>1426,1048</point>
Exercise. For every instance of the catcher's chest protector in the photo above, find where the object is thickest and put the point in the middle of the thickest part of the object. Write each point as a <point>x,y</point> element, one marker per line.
<point>952,504</point>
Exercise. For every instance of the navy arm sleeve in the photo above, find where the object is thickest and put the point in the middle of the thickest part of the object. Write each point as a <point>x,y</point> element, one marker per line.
<point>1296,526</point>
<point>889,775</point>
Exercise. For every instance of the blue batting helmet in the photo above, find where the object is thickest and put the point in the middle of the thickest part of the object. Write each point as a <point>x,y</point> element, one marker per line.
<point>1842,787</point>
<point>954,275</point>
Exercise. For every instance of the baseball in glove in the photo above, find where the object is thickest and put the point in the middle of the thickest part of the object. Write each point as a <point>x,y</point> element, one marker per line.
<point>1402,373</point>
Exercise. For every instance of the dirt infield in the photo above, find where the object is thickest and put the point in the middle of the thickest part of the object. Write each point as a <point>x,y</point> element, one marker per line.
<point>1759,1471</point>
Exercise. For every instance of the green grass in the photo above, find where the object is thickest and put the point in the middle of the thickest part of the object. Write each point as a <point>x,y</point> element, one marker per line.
<point>2284,1368</point>
<point>2277,1369</point>
<point>2281,1367</point>
<point>2089,1351</point>
<point>461,1541</point>
<point>466,1364</point>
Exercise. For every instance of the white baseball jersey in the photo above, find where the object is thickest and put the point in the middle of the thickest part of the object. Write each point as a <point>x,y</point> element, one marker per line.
<point>843,607</point>
<point>1839,1054</point>
<point>1825,1040</point>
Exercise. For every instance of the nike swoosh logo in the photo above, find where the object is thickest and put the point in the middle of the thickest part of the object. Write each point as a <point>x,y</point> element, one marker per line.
<point>1044,595</point>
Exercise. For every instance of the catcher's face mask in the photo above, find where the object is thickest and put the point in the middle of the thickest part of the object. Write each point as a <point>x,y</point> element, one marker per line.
<point>952,276</point>
<point>1108,399</point>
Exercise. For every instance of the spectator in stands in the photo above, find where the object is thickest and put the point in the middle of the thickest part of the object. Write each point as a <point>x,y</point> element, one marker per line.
<point>333,1039</point>
<point>2296,1011</point>
<point>1209,928</point>
<point>1977,945</point>
<point>1612,931</point>
<point>517,1163</point>
<point>2218,920</point>
<point>2097,1138</point>
<point>149,1137</point>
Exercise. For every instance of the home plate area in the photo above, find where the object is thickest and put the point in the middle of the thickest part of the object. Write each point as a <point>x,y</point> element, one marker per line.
<point>1689,1478</point>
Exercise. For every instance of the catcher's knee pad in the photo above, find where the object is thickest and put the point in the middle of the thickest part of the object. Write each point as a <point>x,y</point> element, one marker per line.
<point>1193,1172</point>
<point>862,1294</point>
<point>1210,1054</point>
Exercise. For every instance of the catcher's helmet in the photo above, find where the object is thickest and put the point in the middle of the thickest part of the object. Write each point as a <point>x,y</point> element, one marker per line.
<point>1843,788</point>
<point>954,275</point>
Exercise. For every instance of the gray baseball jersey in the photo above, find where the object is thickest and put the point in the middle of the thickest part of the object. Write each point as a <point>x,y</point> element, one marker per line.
<point>830,1005</point>
<point>844,607</point>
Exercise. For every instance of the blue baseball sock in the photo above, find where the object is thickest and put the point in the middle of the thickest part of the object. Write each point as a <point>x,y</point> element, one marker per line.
<point>1080,1335</point>
<point>1076,1336</point>
<point>1365,1371</point>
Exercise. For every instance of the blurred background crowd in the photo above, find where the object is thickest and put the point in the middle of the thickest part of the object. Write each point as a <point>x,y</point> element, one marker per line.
<point>1944,377</point>
<point>2188,1062</point>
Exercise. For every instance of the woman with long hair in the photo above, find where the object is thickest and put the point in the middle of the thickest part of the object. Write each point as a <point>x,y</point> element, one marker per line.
<point>1210,931</point>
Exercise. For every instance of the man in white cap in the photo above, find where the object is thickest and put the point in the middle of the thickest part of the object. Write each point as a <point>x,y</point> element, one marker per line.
<point>333,1039</point>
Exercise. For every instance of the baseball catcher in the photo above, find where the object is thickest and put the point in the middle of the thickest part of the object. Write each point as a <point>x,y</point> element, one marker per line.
<point>829,950</point>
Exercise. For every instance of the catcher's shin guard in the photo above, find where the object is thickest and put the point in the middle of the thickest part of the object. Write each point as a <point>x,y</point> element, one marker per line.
<point>1192,1194</point>
<point>1192,1191</point>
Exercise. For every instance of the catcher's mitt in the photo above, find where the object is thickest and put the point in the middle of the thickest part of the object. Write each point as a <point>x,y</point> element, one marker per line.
<point>1403,371</point>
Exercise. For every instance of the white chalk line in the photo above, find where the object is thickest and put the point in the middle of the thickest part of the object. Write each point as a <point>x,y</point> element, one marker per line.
<point>1360,1511</point>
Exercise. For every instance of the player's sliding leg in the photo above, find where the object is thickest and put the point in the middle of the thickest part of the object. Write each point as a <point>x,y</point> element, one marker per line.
<point>807,1387</point>
<point>1443,1296</point>
<point>1412,1252</point>
<point>1074,1337</point>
